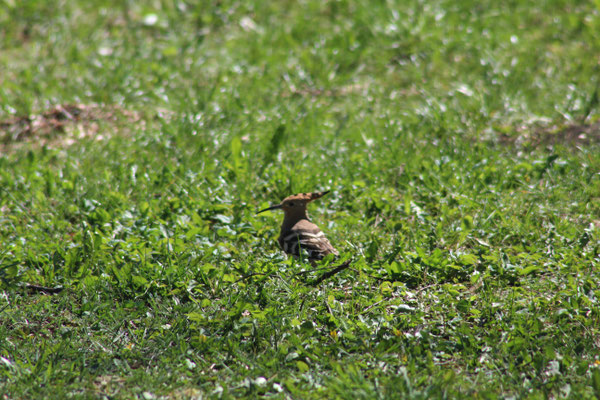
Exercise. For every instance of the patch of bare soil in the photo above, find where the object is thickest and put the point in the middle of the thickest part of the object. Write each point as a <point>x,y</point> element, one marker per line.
<point>62,125</point>
<point>572,134</point>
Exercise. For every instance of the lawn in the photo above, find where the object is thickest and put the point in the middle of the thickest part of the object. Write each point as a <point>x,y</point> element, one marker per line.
<point>461,144</point>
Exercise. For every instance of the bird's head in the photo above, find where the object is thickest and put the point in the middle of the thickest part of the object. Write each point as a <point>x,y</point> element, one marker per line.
<point>295,203</point>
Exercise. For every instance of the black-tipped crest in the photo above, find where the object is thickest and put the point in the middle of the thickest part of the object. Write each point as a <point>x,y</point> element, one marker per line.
<point>295,200</point>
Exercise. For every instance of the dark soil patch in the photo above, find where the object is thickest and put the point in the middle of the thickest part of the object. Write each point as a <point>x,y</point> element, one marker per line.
<point>573,134</point>
<point>61,125</point>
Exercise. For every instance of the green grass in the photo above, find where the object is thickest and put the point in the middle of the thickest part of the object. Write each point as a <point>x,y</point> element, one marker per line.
<point>448,133</point>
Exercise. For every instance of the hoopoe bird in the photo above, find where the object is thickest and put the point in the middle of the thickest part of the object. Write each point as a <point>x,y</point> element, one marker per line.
<point>298,232</point>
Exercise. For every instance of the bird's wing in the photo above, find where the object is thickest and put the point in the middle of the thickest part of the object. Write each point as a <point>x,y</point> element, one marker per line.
<point>306,236</point>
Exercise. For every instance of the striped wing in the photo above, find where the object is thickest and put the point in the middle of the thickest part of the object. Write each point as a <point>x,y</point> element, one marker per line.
<point>313,242</point>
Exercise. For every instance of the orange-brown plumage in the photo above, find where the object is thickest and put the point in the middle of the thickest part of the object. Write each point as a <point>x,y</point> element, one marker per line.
<point>298,233</point>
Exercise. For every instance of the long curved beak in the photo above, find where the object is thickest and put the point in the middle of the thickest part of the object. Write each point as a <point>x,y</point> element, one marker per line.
<point>275,207</point>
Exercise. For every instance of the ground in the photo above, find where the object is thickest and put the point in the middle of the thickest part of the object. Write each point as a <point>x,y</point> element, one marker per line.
<point>460,142</point>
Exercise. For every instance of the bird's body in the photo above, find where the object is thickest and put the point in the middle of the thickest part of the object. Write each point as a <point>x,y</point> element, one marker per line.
<point>298,233</point>
<point>306,236</point>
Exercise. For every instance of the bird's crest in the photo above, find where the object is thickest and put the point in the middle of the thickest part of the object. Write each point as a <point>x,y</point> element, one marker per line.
<point>306,196</point>
<point>295,201</point>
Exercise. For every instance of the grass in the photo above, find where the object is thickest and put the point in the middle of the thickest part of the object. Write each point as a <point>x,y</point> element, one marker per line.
<point>460,141</point>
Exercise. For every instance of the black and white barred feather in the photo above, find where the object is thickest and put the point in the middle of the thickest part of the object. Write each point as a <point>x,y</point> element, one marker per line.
<point>306,237</point>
